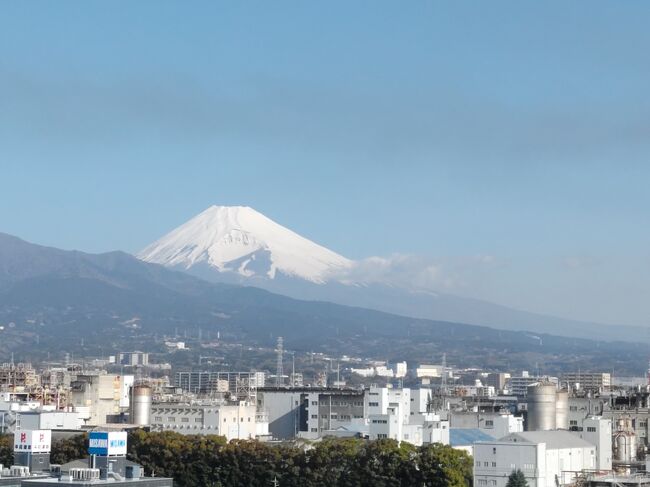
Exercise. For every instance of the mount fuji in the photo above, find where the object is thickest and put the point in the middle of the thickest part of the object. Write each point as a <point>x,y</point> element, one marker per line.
<point>239,241</point>
<point>238,245</point>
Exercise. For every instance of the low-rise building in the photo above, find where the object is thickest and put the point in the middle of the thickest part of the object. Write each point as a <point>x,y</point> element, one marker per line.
<point>311,412</point>
<point>496,425</point>
<point>48,420</point>
<point>588,381</point>
<point>546,458</point>
<point>518,385</point>
<point>598,431</point>
<point>133,358</point>
<point>234,421</point>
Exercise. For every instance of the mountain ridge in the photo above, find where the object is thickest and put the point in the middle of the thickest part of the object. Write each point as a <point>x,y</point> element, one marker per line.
<point>114,301</point>
<point>332,282</point>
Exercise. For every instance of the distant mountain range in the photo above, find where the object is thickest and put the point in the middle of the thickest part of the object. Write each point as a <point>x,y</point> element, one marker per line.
<point>53,300</point>
<point>239,245</point>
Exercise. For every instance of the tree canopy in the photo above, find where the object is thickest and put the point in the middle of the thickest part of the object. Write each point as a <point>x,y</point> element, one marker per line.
<point>198,460</point>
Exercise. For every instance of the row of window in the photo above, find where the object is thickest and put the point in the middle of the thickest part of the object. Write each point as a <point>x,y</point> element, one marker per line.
<point>526,466</point>
<point>326,402</point>
<point>342,417</point>
<point>485,482</point>
<point>172,419</point>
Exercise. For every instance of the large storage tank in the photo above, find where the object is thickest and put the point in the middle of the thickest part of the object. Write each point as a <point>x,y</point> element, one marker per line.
<point>541,399</point>
<point>625,447</point>
<point>141,405</point>
<point>562,410</point>
<point>625,444</point>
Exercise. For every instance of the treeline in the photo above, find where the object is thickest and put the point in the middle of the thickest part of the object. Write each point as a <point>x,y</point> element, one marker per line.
<point>204,461</point>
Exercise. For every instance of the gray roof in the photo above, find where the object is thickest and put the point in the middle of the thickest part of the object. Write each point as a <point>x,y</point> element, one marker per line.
<point>84,463</point>
<point>555,439</point>
<point>467,436</point>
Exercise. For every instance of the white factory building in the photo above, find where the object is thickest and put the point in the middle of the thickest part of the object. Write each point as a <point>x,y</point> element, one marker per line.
<point>495,424</point>
<point>239,421</point>
<point>547,458</point>
<point>401,414</point>
<point>376,413</point>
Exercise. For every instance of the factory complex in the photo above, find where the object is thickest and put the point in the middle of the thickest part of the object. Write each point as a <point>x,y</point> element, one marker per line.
<point>571,430</point>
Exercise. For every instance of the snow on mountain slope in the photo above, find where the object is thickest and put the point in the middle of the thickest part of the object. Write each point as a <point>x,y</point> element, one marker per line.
<point>240,240</point>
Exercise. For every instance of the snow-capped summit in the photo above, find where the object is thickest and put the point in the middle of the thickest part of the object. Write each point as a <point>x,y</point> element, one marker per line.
<point>240,240</point>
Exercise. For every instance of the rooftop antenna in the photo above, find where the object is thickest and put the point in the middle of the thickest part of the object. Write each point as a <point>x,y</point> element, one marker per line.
<point>278,369</point>
<point>293,369</point>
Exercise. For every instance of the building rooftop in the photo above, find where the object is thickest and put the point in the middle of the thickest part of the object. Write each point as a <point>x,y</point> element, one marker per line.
<point>555,439</point>
<point>84,462</point>
<point>322,390</point>
<point>467,436</point>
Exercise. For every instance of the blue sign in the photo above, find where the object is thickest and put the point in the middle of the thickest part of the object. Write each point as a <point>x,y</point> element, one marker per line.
<point>105,443</point>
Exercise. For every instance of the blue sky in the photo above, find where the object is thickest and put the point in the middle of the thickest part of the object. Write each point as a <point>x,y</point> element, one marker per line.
<point>504,143</point>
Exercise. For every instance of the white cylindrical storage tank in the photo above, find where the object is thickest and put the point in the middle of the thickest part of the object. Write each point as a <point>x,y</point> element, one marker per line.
<point>541,399</point>
<point>141,405</point>
<point>562,410</point>
<point>625,447</point>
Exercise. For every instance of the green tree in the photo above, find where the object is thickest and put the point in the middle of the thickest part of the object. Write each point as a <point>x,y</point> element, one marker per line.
<point>68,449</point>
<point>6,450</point>
<point>204,460</point>
<point>517,479</point>
<point>443,466</point>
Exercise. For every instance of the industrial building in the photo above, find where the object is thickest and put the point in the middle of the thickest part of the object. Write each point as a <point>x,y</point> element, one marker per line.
<point>133,359</point>
<point>42,419</point>
<point>96,396</point>
<point>598,431</point>
<point>518,385</point>
<point>498,380</point>
<point>309,411</point>
<point>237,383</point>
<point>17,377</point>
<point>588,381</point>
<point>547,458</point>
<point>494,424</point>
<point>238,421</point>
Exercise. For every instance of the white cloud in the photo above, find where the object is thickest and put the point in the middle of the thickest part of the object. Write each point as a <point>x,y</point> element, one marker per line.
<point>419,272</point>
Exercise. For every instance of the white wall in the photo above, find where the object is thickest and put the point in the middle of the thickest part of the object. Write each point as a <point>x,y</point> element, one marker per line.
<point>495,461</point>
<point>598,431</point>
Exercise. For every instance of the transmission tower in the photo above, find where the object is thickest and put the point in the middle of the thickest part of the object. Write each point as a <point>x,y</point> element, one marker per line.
<point>443,382</point>
<point>279,372</point>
